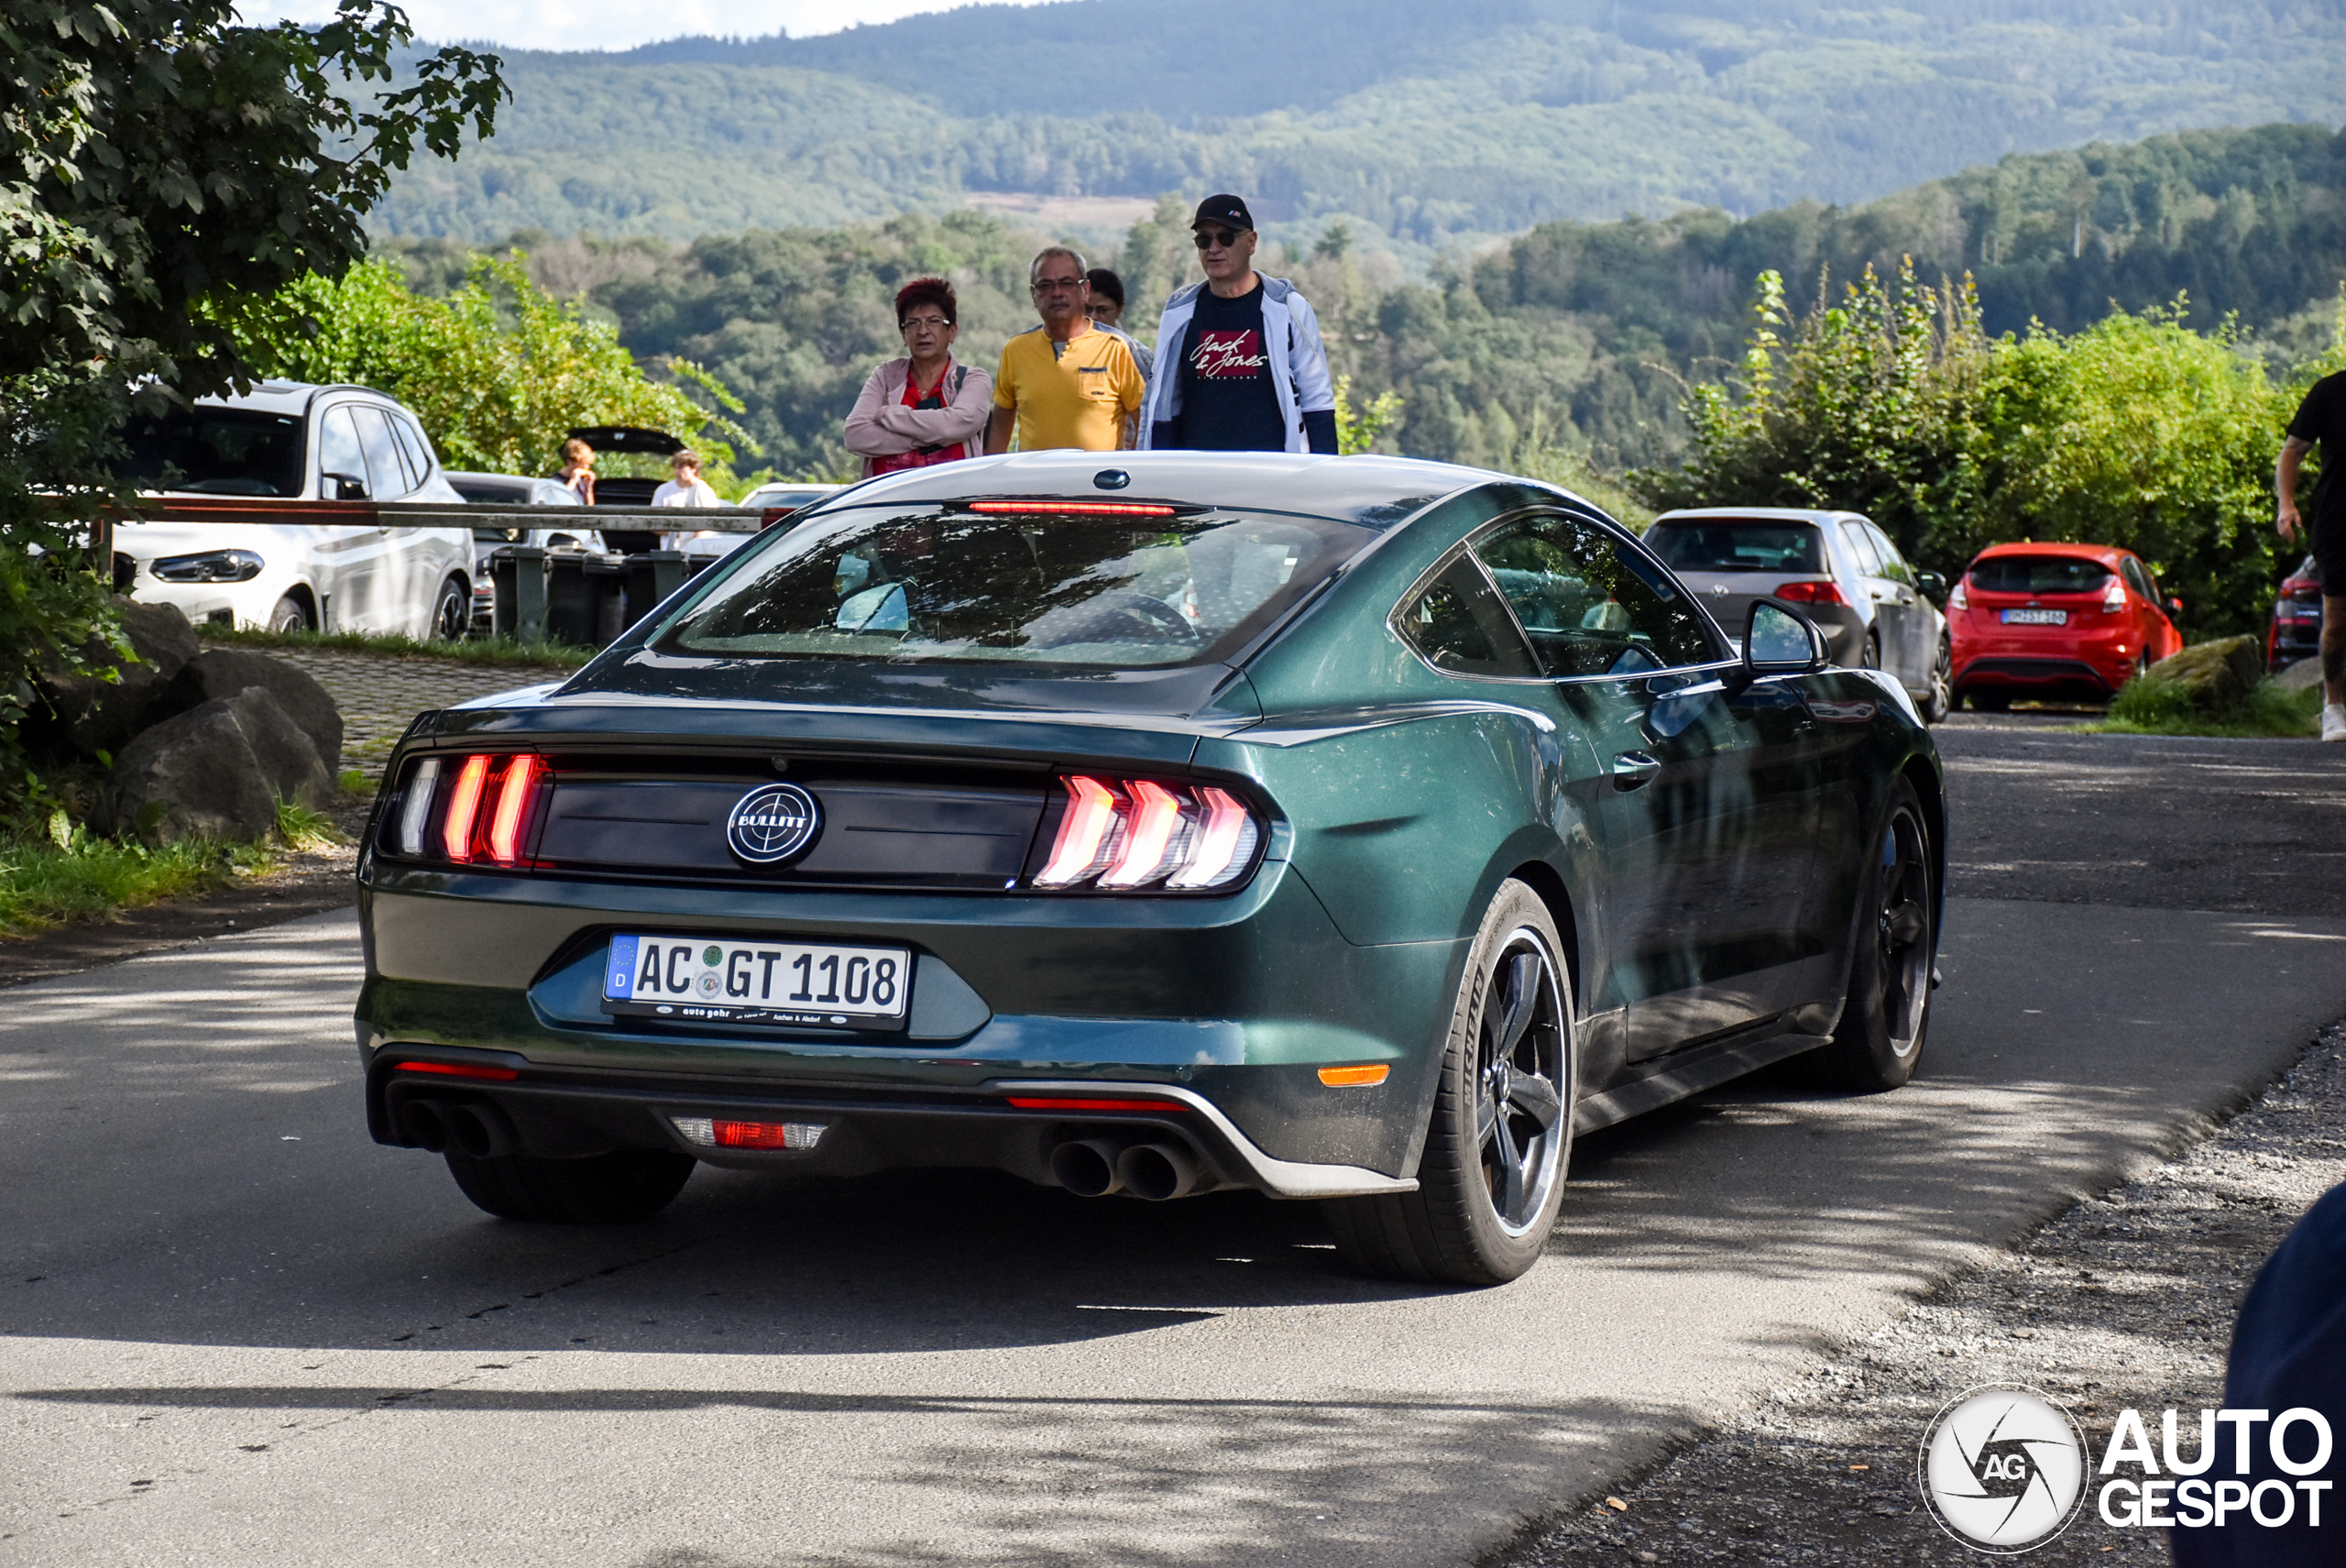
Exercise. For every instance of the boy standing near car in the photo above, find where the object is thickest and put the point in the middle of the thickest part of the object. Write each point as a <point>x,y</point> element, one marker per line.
<point>1240,364</point>
<point>1065,383</point>
<point>2321,421</point>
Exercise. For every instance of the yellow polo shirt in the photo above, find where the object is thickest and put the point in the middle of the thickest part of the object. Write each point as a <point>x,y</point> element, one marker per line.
<point>1078,396</point>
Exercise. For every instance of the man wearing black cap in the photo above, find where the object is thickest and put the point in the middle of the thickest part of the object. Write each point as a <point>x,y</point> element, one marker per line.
<point>1239,366</point>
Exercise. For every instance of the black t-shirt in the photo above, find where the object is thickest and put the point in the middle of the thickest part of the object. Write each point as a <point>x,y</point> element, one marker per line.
<point>2321,420</point>
<point>1228,403</point>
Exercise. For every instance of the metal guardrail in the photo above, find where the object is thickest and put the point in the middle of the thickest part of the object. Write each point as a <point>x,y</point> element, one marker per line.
<point>534,599</point>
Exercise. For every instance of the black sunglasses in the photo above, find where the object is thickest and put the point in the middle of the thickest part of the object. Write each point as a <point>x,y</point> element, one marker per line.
<point>1222,237</point>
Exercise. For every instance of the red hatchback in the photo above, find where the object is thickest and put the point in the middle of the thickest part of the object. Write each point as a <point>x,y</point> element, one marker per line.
<point>2057,622</point>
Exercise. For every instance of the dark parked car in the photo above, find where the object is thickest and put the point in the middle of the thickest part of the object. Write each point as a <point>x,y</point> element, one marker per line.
<point>1875,608</point>
<point>1353,829</point>
<point>516,491</point>
<point>2294,630</point>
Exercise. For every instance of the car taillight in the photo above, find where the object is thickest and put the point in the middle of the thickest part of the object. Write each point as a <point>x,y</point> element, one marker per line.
<point>1125,835</point>
<point>2114,598</point>
<point>1827,592</point>
<point>1957,598</point>
<point>478,808</point>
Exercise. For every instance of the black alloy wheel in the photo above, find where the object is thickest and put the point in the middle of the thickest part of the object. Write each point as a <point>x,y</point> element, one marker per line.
<point>288,614</point>
<point>1872,654</point>
<point>1887,1014</point>
<point>452,613</point>
<point>1492,1176</point>
<point>1939,701</point>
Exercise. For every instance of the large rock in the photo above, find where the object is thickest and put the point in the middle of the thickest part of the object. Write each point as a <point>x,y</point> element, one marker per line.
<point>2216,676</point>
<point>223,671</point>
<point>89,714</point>
<point>216,771</point>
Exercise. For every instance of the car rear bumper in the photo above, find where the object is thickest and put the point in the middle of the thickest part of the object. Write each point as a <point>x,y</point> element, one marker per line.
<point>2047,675</point>
<point>1228,1006</point>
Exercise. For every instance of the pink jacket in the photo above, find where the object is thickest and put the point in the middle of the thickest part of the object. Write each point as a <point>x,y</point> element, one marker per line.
<point>881,426</point>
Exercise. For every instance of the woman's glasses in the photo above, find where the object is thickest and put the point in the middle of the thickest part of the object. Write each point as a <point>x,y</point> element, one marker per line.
<point>1208,240</point>
<point>934,323</point>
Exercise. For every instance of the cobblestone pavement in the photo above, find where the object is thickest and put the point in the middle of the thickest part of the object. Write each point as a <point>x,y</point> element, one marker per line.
<point>2125,1302</point>
<point>380,694</point>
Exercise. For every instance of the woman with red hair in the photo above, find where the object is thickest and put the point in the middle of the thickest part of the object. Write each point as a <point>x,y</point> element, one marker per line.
<point>924,408</point>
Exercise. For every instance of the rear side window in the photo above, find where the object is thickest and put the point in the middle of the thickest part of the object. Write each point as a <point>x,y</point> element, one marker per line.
<point>1458,624</point>
<point>386,474</point>
<point>1588,610</point>
<point>412,447</point>
<point>1894,565</point>
<point>2038,575</point>
<point>1052,586</point>
<point>1861,549</point>
<point>1781,549</point>
<point>2139,577</point>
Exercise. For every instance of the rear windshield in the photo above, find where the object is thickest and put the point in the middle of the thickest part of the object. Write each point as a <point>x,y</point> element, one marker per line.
<point>1729,545</point>
<point>949,586</point>
<point>215,452</point>
<point>2038,575</point>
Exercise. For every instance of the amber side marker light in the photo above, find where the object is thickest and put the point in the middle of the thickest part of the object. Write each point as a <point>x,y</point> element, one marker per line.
<point>453,1070</point>
<point>1354,1077</point>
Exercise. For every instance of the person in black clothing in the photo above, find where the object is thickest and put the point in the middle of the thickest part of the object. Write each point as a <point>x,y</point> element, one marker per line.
<point>1240,366</point>
<point>2321,421</point>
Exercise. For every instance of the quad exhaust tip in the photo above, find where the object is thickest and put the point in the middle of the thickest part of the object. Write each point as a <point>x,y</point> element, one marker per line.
<point>1087,1168</point>
<point>1098,1167</point>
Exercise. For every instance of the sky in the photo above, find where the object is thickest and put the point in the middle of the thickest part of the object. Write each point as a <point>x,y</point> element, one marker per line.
<point>613,24</point>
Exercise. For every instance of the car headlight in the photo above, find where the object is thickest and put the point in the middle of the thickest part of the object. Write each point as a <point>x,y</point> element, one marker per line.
<point>212,566</point>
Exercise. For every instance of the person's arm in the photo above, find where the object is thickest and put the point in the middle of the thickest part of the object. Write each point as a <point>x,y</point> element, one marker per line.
<point>586,486</point>
<point>868,434</point>
<point>1000,429</point>
<point>1315,389</point>
<point>956,421</point>
<point>2285,483</point>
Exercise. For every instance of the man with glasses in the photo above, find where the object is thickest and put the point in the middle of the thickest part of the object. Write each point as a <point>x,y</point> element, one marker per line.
<point>1067,383</point>
<point>1240,364</point>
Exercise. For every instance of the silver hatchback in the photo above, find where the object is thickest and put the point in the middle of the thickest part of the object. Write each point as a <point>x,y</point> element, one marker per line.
<point>1874,608</point>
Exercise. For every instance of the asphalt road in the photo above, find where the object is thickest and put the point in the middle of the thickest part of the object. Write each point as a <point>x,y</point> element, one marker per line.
<point>232,1331</point>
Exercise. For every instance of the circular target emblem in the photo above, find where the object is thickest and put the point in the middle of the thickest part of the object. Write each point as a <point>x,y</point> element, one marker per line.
<point>2003,1468</point>
<point>773,823</point>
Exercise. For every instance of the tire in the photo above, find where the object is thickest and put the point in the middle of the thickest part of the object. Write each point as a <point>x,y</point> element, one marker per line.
<point>1492,1176</point>
<point>1887,1015</point>
<point>1871,657</point>
<point>603,1189</point>
<point>289,614</point>
<point>451,613</point>
<point>1939,701</point>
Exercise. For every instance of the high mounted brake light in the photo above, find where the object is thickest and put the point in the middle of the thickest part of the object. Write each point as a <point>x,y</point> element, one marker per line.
<point>482,814</point>
<point>1076,509</point>
<point>1127,835</point>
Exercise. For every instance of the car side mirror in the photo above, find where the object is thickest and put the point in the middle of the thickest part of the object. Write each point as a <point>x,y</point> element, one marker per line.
<point>1780,641</point>
<point>1932,584</point>
<point>349,487</point>
<point>2174,605</point>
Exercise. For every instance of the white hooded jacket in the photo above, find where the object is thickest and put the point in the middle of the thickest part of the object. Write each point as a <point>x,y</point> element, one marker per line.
<point>1299,376</point>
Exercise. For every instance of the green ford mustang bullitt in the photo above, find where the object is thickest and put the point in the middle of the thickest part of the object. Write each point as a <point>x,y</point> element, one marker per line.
<point>1350,829</point>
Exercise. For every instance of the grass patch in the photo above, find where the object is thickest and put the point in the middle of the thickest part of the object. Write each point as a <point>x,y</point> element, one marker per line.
<point>65,874</point>
<point>479,650</point>
<point>2152,706</point>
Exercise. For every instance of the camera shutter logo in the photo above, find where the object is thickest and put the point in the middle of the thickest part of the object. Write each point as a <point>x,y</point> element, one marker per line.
<point>2003,1469</point>
<point>773,823</point>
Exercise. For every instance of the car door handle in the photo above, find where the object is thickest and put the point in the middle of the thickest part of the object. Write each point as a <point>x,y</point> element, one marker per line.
<point>1632,769</point>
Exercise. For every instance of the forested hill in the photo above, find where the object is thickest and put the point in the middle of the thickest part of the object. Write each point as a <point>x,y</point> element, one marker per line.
<point>1427,123</point>
<point>1574,335</point>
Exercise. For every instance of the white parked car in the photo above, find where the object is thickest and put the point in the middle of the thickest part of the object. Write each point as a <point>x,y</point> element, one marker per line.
<point>291,442</point>
<point>702,546</point>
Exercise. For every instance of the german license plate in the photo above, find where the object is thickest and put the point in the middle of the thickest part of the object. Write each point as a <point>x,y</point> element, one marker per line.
<point>714,979</point>
<point>2034,616</point>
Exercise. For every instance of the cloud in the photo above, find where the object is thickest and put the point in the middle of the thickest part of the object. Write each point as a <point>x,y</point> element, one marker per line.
<point>612,24</point>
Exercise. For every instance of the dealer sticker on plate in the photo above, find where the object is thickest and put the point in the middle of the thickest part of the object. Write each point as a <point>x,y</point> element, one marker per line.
<point>703,979</point>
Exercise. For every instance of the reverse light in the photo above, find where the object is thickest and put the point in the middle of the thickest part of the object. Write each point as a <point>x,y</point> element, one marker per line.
<point>2114,598</point>
<point>1957,598</point>
<point>1123,835</point>
<point>711,1132</point>
<point>1825,592</point>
